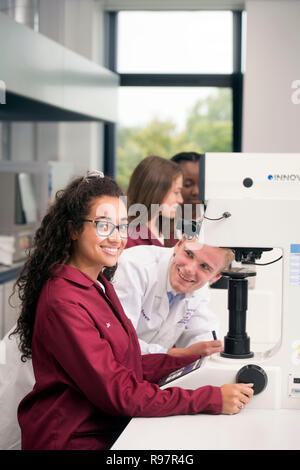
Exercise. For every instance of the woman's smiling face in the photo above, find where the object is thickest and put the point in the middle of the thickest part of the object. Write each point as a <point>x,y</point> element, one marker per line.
<point>93,251</point>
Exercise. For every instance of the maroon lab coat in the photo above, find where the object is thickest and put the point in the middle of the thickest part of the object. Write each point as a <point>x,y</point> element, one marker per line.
<point>90,374</point>
<point>142,236</point>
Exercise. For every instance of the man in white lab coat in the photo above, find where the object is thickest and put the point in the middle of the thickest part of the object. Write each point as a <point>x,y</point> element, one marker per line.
<point>165,293</point>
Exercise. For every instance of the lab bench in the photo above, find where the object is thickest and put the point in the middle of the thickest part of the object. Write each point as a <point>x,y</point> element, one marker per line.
<point>251,429</point>
<point>8,314</point>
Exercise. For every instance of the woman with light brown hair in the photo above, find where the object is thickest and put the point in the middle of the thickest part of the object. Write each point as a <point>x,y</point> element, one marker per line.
<point>154,195</point>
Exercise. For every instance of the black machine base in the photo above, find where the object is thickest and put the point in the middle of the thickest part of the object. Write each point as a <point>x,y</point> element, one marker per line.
<point>237,356</point>
<point>237,347</point>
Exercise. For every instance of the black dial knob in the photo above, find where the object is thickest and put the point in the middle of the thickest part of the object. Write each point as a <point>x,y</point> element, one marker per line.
<point>251,373</point>
<point>248,182</point>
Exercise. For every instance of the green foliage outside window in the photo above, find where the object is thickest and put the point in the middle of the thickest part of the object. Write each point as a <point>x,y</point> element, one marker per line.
<point>208,128</point>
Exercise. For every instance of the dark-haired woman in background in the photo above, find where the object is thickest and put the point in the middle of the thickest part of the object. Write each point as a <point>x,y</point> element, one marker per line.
<point>89,371</point>
<point>189,163</point>
<point>156,184</point>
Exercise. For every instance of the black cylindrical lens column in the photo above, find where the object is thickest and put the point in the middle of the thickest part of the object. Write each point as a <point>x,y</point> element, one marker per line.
<point>237,342</point>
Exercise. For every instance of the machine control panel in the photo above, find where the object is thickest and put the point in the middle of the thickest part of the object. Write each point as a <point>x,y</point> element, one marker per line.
<point>294,386</point>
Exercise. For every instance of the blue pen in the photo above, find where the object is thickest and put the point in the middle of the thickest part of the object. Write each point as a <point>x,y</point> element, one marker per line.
<point>214,335</point>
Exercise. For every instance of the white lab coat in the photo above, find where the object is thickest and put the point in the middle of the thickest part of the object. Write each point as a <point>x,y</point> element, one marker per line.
<point>141,282</point>
<point>16,381</point>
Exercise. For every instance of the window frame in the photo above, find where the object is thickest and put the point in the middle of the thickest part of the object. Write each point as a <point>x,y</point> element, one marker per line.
<point>233,81</point>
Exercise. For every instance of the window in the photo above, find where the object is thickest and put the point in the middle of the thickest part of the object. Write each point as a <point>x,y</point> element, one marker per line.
<point>164,121</point>
<point>175,42</point>
<point>181,84</point>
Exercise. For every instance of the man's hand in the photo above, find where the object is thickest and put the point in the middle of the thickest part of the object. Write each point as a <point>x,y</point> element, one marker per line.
<point>235,397</point>
<point>203,348</point>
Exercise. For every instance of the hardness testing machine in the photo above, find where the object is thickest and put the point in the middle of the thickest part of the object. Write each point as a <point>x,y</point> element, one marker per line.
<point>252,206</point>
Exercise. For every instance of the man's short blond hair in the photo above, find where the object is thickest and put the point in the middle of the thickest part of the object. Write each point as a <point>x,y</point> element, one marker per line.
<point>229,257</point>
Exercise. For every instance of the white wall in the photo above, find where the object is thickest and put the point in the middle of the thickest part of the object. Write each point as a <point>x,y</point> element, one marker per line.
<point>81,144</point>
<point>271,120</point>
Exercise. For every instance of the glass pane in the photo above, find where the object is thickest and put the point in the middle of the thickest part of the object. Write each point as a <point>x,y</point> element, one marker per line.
<point>175,42</point>
<point>164,121</point>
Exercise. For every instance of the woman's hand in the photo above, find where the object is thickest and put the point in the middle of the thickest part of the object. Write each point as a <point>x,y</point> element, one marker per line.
<point>235,397</point>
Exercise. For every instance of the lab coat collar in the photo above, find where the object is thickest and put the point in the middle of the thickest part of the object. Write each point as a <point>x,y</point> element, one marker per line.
<point>163,273</point>
<point>72,274</point>
<point>78,277</point>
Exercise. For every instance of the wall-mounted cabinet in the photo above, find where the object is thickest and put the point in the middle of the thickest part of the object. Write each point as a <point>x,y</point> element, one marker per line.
<point>46,81</point>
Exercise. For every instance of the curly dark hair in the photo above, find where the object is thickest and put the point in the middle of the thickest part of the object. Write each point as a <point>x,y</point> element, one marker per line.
<point>53,245</point>
<point>186,157</point>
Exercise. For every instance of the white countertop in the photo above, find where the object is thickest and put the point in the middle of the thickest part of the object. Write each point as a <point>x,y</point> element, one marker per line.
<point>251,429</point>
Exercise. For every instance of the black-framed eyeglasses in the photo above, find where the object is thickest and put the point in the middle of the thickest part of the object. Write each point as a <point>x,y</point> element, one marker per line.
<point>104,228</point>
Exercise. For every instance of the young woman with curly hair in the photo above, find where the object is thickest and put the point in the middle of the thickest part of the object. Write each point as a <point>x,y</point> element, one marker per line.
<point>90,376</point>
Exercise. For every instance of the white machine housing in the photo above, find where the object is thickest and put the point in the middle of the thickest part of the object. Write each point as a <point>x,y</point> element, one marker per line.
<point>262,194</point>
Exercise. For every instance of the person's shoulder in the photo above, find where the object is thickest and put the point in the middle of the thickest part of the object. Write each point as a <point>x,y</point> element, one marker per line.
<point>143,254</point>
<point>200,294</point>
<point>66,291</point>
